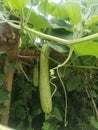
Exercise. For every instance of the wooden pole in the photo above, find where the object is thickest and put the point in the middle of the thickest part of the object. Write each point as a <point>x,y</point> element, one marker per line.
<point>10,44</point>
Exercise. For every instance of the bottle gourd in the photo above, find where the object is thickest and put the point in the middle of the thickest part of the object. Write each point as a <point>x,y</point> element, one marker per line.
<point>44,87</point>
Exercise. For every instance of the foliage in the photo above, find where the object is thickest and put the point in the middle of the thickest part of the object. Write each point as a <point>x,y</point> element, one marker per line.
<point>3,96</point>
<point>94,122</point>
<point>70,28</point>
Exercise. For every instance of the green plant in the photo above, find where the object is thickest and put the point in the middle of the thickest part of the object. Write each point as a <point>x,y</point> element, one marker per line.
<point>69,29</point>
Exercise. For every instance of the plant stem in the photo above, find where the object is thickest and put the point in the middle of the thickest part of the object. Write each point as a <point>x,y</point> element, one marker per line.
<point>68,43</point>
<point>84,39</point>
<point>61,41</point>
<point>65,95</point>
<point>82,67</point>
<point>65,62</point>
<point>49,37</point>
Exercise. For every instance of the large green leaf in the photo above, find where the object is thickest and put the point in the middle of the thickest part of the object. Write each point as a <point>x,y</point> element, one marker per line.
<point>64,10</point>
<point>36,18</point>
<point>16,4</point>
<point>87,48</point>
<point>56,24</point>
<point>58,47</point>
<point>60,33</point>
<point>74,12</point>
<point>54,9</point>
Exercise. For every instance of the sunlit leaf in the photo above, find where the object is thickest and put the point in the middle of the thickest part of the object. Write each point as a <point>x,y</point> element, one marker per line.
<point>64,10</point>
<point>94,19</point>
<point>87,48</point>
<point>55,9</point>
<point>16,4</point>
<point>74,10</point>
<point>36,18</point>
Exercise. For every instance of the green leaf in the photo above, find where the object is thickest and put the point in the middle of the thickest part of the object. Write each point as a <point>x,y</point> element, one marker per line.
<point>3,95</point>
<point>54,9</point>
<point>61,24</point>
<point>46,125</point>
<point>57,114</point>
<point>36,18</point>
<point>74,11</point>
<point>94,122</point>
<point>61,33</point>
<point>72,83</point>
<point>58,47</point>
<point>63,10</point>
<point>16,4</point>
<point>93,20</point>
<point>87,48</point>
<point>1,7</point>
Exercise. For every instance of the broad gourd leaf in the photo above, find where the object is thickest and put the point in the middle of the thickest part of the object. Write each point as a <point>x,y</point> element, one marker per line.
<point>54,9</point>
<point>74,12</point>
<point>16,4</point>
<point>58,47</point>
<point>56,24</point>
<point>60,33</point>
<point>36,18</point>
<point>87,48</point>
<point>64,10</point>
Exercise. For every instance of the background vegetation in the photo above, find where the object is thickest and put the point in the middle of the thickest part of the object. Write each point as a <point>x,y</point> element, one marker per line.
<point>70,29</point>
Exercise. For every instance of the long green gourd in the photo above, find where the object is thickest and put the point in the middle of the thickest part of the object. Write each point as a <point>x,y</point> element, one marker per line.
<point>44,87</point>
<point>35,76</point>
